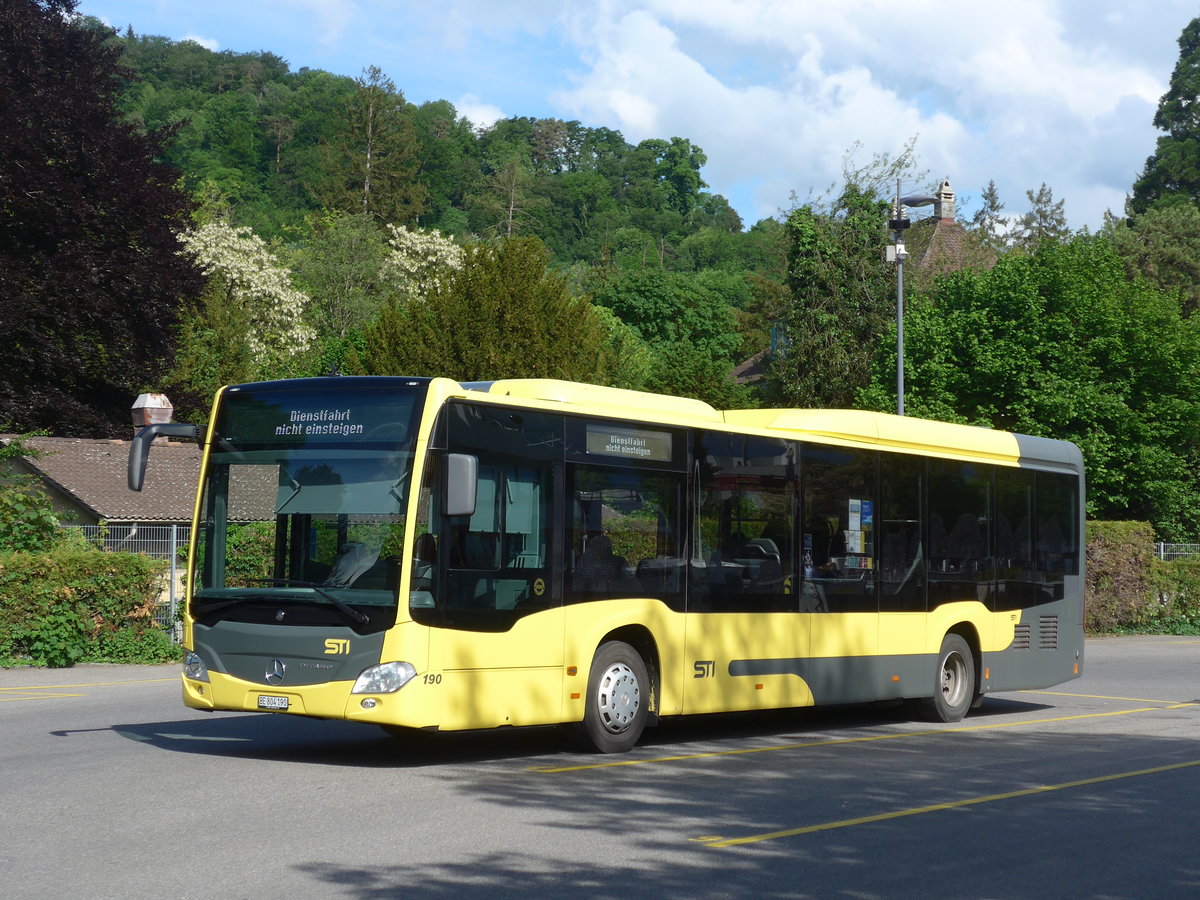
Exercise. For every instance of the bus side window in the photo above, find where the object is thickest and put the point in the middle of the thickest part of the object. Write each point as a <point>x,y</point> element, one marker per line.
<point>901,554</point>
<point>1056,540</point>
<point>839,529</point>
<point>743,559</point>
<point>960,525</point>
<point>626,533</point>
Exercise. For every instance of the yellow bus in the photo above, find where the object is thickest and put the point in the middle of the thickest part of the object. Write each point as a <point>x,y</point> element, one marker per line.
<point>418,553</point>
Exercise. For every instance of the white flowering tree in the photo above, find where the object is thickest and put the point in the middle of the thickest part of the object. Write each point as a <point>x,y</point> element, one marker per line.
<point>249,323</point>
<point>245,277</point>
<point>420,261</point>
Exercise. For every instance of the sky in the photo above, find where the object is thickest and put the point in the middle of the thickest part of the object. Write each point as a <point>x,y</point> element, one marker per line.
<point>775,92</point>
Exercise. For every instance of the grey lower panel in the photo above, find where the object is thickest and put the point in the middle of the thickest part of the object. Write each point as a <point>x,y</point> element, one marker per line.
<point>1048,650</point>
<point>851,679</point>
<point>310,654</point>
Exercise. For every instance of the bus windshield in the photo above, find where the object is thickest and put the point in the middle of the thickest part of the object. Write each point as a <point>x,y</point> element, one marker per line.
<point>304,499</point>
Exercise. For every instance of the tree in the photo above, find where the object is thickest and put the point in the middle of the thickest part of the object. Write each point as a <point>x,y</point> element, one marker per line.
<point>502,315</point>
<point>678,171</point>
<point>843,299</point>
<point>1045,221</point>
<point>672,307</point>
<point>340,268</point>
<point>691,331</point>
<point>628,360</point>
<point>449,160</point>
<point>1061,343</point>
<point>843,293</point>
<point>683,369</point>
<point>505,204</point>
<point>28,522</point>
<point>988,225</point>
<point>1172,174</point>
<point>419,262</point>
<point>91,280</point>
<point>250,324</point>
<point>371,161</point>
<point>1162,245</point>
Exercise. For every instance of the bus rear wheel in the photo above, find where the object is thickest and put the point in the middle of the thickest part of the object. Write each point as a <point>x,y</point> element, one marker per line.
<point>954,683</point>
<point>617,700</point>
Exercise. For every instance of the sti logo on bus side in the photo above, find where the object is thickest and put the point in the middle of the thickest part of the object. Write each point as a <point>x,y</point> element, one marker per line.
<point>337,646</point>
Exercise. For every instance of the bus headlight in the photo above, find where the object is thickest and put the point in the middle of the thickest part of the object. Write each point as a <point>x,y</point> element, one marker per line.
<point>194,667</point>
<point>385,678</point>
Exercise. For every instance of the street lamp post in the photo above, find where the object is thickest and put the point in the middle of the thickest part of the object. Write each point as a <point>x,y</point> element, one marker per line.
<point>897,253</point>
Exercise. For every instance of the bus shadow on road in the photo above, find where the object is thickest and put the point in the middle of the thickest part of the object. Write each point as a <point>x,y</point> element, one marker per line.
<point>323,742</point>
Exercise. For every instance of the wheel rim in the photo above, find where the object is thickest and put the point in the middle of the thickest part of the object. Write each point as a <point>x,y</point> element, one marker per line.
<point>618,698</point>
<point>954,679</point>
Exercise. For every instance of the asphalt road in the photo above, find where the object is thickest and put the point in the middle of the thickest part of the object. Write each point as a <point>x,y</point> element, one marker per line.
<point>111,788</point>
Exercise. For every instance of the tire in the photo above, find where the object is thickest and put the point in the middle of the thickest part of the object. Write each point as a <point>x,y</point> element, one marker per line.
<point>617,699</point>
<point>953,683</point>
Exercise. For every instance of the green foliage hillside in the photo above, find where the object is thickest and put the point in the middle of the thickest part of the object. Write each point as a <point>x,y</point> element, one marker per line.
<point>283,153</point>
<point>233,219</point>
<point>281,144</point>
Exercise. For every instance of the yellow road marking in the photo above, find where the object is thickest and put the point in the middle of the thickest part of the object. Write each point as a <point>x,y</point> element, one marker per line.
<point>32,695</point>
<point>66,691</point>
<point>554,770</point>
<point>709,841</point>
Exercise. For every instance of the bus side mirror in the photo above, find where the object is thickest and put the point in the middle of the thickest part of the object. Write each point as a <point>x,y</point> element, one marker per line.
<point>139,449</point>
<point>462,479</point>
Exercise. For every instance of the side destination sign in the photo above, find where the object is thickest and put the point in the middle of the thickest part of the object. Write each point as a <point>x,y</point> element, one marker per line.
<point>630,443</point>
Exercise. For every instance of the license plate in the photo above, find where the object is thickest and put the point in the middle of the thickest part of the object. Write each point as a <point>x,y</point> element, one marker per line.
<point>265,701</point>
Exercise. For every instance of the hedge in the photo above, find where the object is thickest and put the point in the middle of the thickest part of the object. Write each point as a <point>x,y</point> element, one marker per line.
<point>67,604</point>
<point>1129,589</point>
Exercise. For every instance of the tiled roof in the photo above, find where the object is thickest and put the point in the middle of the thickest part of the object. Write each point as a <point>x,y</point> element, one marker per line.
<point>753,369</point>
<point>92,473</point>
<point>937,246</point>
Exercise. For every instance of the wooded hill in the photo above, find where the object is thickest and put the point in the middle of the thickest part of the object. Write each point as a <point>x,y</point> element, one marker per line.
<point>281,145</point>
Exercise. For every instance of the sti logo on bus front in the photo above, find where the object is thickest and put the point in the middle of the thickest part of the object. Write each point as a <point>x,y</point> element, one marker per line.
<point>337,646</point>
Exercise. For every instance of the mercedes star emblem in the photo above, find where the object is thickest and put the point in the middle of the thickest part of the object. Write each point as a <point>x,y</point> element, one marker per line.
<point>275,672</point>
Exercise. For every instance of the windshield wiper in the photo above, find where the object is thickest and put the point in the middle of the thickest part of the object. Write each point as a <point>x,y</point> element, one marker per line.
<point>360,617</point>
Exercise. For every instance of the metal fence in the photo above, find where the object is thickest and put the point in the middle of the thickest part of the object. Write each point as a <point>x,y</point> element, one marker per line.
<point>1177,551</point>
<point>167,542</point>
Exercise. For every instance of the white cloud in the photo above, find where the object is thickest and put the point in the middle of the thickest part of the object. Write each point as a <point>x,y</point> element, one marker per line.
<point>1019,91</point>
<point>207,43</point>
<point>481,115</point>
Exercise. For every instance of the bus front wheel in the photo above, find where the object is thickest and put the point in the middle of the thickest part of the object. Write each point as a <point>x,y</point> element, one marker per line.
<point>954,683</point>
<point>617,698</point>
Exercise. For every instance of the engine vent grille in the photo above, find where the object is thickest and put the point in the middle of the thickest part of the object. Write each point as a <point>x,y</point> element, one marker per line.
<point>1021,640</point>
<point>1048,633</point>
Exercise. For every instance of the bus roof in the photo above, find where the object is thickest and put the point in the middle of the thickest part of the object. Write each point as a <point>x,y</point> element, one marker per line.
<point>841,426</point>
<point>909,433</point>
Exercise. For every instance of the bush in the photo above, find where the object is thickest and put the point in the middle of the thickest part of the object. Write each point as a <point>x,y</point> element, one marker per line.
<point>68,604</point>
<point>1176,587</point>
<point>1130,590</point>
<point>134,646</point>
<point>1118,592</point>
